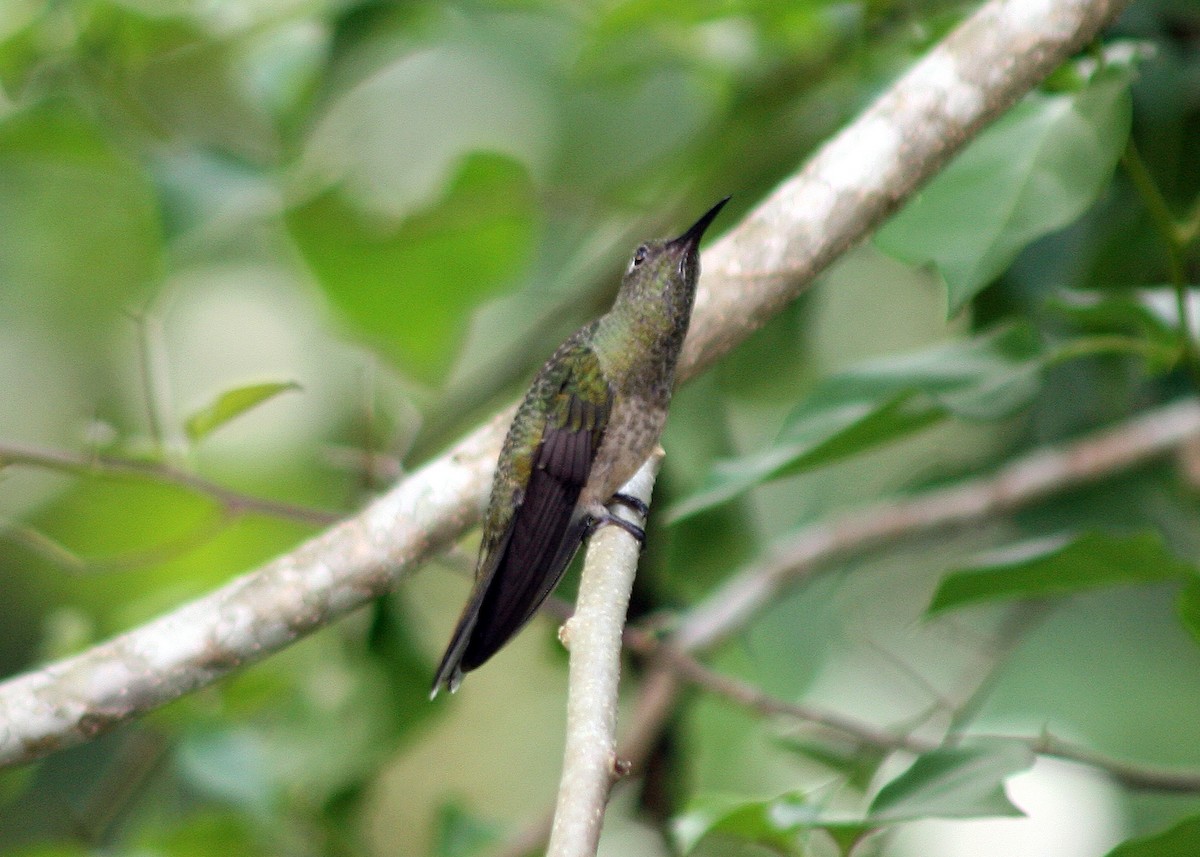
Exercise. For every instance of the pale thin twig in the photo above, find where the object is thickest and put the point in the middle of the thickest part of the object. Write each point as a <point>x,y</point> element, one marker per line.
<point>593,635</point>
<point>156,386</point>
<point>1022,618</point>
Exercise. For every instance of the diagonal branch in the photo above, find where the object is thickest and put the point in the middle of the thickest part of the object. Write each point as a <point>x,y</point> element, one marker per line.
<point>848,187</point>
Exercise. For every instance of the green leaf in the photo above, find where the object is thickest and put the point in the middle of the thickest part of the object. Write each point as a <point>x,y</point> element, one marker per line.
<point>81,238</point>
<point>986,377</point>
<point>410,285</point>
<point>1188,607</point>
<point>1155,335</point>
<point>954,782</point>
<point>1033,172</point>
<point>856,762</point>
<point>14,782</point>
<point>189,85</point>
<point>458,833</point>
<point>780,823</point>
<point>49,849</point>
<point>1182,840</point>
<point>231,404</point>
<point>230,765</point>
<point>388,137</point>
<point>202,833</point>
<point>1060,566</point>
<point>404,668</point>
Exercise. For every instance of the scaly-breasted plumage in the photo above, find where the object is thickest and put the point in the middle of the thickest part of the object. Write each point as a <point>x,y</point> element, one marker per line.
<point>593,415</point>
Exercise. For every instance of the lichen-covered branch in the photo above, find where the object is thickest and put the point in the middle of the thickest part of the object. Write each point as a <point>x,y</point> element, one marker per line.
<point>867,171</point>
<point>77,698</point>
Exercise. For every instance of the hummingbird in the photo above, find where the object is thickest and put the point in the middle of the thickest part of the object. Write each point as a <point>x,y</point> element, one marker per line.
<point>591,418</point>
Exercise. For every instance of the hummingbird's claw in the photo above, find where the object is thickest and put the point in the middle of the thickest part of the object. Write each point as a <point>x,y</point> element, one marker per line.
<point>597,521</point>
<point>632,503</point>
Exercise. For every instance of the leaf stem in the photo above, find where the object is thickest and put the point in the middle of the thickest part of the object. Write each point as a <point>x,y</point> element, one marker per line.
<point>1176,236</point>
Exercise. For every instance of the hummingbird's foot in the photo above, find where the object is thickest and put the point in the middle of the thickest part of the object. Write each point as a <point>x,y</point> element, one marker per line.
<point>597,521</point>
<point>632,503</point>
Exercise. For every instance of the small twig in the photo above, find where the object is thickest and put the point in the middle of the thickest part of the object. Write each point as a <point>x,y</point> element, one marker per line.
<point>156,387</point>
<point>751,697</point>
<point>593,635</point>
<point>123,778</point>
<point>939,702</point>
<point>1019,622</point>
<point>656,698</point>
<point>59,554</point>
<point>1152,198</point>
<point>233,502</point>
<point>382,466</point>
<point>746,695</point>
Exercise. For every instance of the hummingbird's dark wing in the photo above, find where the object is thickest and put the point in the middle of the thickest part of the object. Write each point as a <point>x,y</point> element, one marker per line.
<point>529,557</point>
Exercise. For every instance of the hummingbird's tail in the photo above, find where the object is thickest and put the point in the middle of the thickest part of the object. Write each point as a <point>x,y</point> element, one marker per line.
<point>545,525</point>
<point>450,672</point>
<point>521,572</point>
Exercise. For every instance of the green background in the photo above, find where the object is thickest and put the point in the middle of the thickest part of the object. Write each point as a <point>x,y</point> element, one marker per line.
<point>297,247</point>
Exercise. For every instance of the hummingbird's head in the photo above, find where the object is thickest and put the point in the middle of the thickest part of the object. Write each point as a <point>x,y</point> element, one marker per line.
<point>669,268</point>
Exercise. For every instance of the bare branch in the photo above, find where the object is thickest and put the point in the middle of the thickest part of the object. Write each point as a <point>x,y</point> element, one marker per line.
<point>233,502</point>
<point>77,698</point>
<point>593,634</point>
<point>156,388</point>
<point>855,180</point>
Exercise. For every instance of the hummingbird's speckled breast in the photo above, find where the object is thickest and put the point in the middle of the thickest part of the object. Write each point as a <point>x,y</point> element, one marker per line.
<point>641,372</point>
<point>633,431</point>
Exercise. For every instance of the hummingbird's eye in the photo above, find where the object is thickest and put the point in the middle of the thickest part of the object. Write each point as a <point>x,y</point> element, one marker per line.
<point>639,256</point>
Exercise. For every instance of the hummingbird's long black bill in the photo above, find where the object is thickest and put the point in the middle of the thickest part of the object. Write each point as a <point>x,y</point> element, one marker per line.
<point>695,232</point>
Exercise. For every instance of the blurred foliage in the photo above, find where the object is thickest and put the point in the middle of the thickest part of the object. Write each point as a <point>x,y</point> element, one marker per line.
<point>395,211</point>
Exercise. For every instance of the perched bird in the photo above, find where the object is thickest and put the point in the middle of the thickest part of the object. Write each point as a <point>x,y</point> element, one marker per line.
<point>591,418</point>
